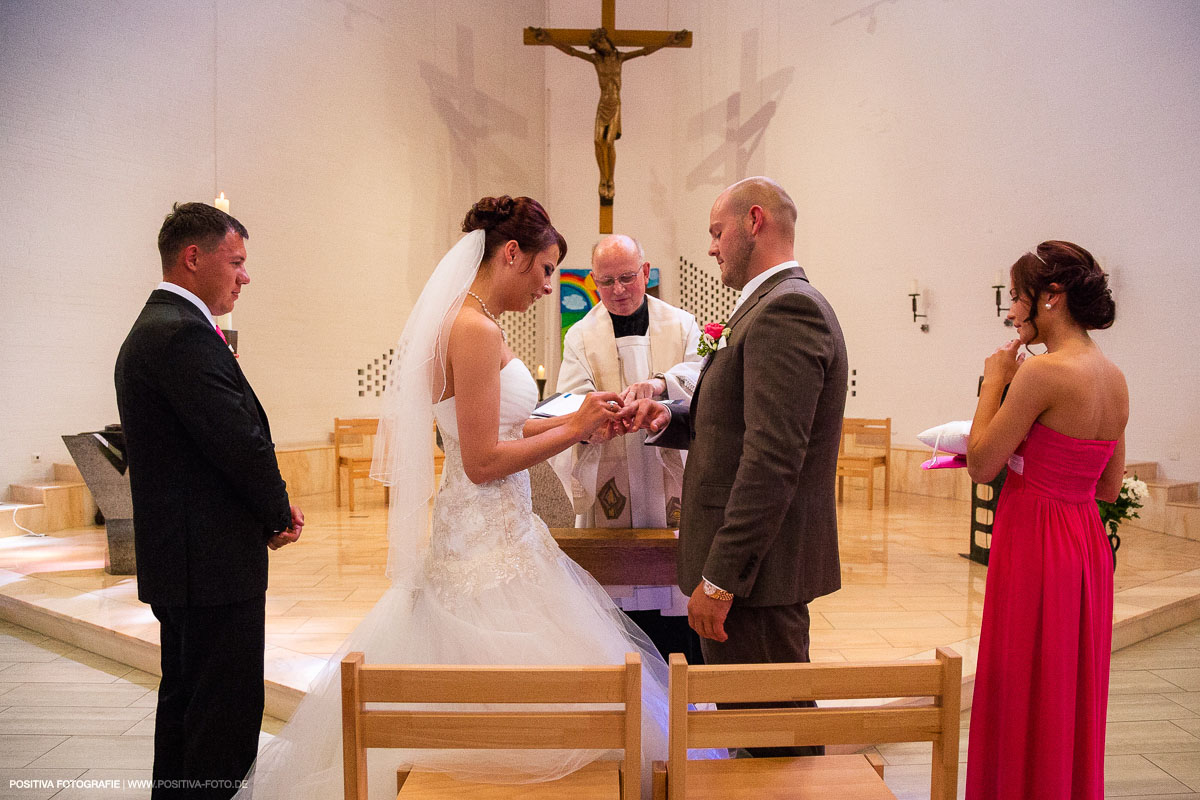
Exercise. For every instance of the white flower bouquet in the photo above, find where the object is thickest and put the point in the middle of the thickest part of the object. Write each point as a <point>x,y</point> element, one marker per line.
<point>1133,494</point>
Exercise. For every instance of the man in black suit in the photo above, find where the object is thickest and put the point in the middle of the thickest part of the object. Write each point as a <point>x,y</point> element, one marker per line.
<point>208,502</point>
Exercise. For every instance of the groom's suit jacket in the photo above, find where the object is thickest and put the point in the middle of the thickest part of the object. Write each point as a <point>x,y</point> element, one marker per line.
<point>762,430</point>
<point>207,494</point>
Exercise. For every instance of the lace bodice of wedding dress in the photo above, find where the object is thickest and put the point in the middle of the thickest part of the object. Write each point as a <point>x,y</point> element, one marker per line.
<point>485,534</point>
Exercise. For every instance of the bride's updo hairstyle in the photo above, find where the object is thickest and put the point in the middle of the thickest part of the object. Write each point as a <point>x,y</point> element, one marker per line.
<point>519,219</point>
<point>1084,284</point>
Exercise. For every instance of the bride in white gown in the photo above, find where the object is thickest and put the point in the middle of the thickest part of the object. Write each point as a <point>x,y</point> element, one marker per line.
<point>482,582</point>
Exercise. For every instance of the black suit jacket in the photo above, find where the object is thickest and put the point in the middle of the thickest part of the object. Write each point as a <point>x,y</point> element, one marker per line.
<point>759,512</point>
<point>207,494</point>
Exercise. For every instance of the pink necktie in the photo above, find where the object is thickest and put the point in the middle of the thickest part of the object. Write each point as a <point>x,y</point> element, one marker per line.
<point>223,339</point>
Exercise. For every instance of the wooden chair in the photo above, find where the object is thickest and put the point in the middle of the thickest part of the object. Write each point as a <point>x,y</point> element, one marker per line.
<point>352,434</point>
<point>846,777</point>
<point>858,456</point>
<point>582,728</point>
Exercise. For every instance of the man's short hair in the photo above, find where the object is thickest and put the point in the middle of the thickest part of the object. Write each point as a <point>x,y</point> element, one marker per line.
<point>195,223</point>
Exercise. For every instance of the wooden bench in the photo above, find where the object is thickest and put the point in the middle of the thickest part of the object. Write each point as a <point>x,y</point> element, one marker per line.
<point>568,725</point>
<point>850,777</point>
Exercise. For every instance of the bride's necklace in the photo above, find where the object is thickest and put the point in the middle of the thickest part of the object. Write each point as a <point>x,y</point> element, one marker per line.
<point>483,305</point>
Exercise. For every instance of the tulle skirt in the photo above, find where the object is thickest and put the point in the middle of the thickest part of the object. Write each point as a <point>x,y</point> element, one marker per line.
<point>551,613</point>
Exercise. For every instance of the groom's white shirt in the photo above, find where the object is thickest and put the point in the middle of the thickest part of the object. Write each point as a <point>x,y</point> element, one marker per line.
<point>758,280</point>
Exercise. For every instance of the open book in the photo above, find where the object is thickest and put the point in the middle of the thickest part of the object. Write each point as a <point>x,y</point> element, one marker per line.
<point>559,404</point>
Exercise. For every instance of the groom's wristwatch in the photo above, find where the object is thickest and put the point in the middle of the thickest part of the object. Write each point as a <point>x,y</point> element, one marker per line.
<point>716,592</point>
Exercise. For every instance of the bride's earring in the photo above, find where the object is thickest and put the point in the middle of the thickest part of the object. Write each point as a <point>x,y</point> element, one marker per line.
<point>1047,304</point>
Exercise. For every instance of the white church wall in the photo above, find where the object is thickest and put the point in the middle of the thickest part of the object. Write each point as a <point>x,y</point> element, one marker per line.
<point>933,141</point>
<point>350,138</point>
<point>920,139</point>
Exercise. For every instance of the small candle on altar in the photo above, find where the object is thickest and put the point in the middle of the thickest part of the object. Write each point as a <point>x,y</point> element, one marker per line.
<point>915,288</point>
<point>541,372</point>
<point>222,203</point>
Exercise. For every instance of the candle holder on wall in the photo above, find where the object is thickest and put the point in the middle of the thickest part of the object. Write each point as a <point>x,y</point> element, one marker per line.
<point>914,295</point>
<point>541,384</point>
<point>1000,307</point>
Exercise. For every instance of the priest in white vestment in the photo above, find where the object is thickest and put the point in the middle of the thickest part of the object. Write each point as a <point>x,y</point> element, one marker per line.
<point>639,346</point>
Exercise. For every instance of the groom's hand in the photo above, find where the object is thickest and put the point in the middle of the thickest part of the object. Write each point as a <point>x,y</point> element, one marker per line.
<point>645,414</point>
<point>707,615</point>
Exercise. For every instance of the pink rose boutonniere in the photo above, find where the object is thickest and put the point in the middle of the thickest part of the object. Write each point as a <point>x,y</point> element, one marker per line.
<point>714,337</point>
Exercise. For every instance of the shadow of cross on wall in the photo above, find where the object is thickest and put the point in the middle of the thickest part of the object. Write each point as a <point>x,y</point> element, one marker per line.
<point>730,162</point>
<point>472,117</point>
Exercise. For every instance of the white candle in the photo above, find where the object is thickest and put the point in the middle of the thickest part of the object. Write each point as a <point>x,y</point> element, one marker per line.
<point>222,203</point>
<point>225,321</point>
<point>915,288</point>
<point>541,372</point>
<point>1001,279</point>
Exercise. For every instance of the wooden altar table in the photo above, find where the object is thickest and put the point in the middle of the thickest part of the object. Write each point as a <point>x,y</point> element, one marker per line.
<point>622,556</point>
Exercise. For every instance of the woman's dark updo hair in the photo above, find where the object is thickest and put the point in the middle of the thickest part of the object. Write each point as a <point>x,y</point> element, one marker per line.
<point>1084,284</point>
<point>519,219</point>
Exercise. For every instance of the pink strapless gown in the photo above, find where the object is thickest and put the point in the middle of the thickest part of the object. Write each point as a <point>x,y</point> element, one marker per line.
<point>1041,687</point>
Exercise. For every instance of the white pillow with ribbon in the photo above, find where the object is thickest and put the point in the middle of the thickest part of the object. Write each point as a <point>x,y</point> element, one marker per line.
<point>951,437</point>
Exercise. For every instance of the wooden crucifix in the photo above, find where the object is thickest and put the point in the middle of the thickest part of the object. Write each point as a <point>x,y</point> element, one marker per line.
<point>607,59</point>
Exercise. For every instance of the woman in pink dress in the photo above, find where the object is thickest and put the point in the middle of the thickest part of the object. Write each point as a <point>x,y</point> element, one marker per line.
<point>1041,686</point>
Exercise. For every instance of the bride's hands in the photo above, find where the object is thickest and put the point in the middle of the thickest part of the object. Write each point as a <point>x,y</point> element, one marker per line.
<point>604,433</point>
<point>599,410</point>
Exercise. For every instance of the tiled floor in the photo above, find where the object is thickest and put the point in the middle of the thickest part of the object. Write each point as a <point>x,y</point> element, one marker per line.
<point>1152,750</point>
<point>73,725</point>
<point>906,589</point>
<point>67,714</point>
<point>72,717</point>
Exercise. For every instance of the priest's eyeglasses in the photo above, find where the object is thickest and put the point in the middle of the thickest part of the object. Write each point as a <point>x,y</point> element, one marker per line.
<point>627,279</point>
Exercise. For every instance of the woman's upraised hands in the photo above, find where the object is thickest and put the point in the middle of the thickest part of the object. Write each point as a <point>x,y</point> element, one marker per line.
<point>1002,364</point>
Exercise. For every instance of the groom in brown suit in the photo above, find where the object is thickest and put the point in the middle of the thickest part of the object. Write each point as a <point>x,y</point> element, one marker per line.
<point>758,533</point>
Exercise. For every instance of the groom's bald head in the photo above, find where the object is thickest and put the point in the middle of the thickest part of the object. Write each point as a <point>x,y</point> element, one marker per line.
<point>770,196</point>
<point>753,228</point>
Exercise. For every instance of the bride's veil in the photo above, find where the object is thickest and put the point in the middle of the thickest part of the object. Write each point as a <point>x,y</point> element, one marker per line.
<point>403,456</point>
<point>303,762</point>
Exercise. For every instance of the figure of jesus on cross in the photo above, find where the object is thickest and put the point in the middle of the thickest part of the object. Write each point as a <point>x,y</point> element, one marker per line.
<point>607,60</point>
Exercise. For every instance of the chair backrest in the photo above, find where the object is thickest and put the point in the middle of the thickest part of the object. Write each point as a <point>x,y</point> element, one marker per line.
<point>561,728</point>
<point>352,432</point>
<point>859,433</point>
<point>896,721</point>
